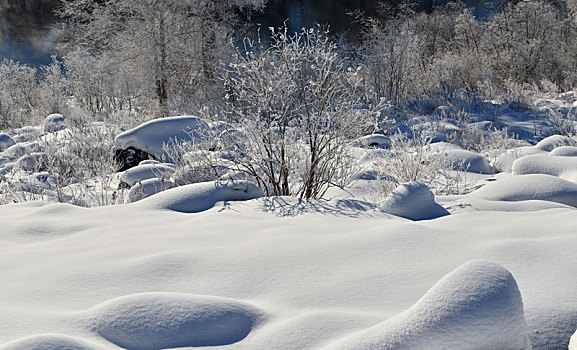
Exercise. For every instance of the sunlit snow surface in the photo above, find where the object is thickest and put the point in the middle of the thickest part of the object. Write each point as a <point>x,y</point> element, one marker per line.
<point>219,266</point>
<point>292,274</point>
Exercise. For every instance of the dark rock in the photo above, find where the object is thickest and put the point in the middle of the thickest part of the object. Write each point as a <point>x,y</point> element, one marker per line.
<point>130,157</point>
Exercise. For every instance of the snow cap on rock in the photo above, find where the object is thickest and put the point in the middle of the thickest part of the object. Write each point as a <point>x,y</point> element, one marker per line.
<point>54,122</point>
<point>414,201</point>
<point>152,136</point>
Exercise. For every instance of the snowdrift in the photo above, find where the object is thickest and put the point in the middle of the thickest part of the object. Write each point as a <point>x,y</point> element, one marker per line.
<point>51,342</point>
<point>198,197</point>
<point>413,201</point>
<point>476,306</point>
<point>530,187</point>
<point>560,166</point>
<point>154,321</point>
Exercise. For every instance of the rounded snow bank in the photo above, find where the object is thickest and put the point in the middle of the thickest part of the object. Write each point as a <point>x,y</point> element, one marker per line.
<point>460,159</point>
<point>476,306</point>
<point>149,170</point>
<point>573,342</point>
<point>548,144</point>
<point>414,201</point>
<point>373,140</point>
<point>152,321</point>
<point>564,151</point>
<point>153,135</point>
<point>530,187</point>
<point>54,122</point>
<point>198,197</point>
<point>6,141</point>
<point>147,188</point>
<point>564,167</point>
<point>49,342</point>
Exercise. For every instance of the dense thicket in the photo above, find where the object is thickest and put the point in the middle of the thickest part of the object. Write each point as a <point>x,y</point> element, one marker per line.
<point>160,58</point>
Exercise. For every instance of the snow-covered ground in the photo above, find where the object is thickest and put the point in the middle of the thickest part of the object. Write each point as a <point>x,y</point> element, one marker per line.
<point>282,273</point>
<point>489,264</point>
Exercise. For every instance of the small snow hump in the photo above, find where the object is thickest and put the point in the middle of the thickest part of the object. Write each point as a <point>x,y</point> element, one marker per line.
<point>573,342</point>
<point>49,342</point>
<point>154,321</point>
<point>201,196</point>
<point>414,201</point>
<point>54,122</point>
<point>476,306</point>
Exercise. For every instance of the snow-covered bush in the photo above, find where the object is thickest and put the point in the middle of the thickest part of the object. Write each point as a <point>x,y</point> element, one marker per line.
<point>417,159</point>
<point>75,165</point>
<point>297,104</point>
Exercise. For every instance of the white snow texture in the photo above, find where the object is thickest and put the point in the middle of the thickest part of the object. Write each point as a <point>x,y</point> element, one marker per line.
<point>476,306</point>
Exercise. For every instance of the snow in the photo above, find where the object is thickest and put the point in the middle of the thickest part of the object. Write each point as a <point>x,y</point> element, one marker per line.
<point>548,144</point>
<point>54,122</point>
<point>150,321</point>
<point>321,271</point>
<point>30,162</point>
<point>530,187</point>
<point>476,306</point>
<point>564,151</point>
<point>460,159</point>
<point>146,188</point>
<point>5,141</point>
<point>373,140</point>
<point>573,342</point>
<point>50,342</point>
<point>216,265</point>
<point>504,162</point>
<point>201,196</point>
<point>153,135</point>
<point>145,171</point>
<point>413,201</point>
<point>563,167</point>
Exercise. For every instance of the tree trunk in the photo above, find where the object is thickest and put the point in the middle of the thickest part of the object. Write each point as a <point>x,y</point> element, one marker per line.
<point>161,80</point>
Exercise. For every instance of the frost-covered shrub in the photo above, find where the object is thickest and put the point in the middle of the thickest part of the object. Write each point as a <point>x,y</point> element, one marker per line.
<point>298,105</point>
<point>75,166</point>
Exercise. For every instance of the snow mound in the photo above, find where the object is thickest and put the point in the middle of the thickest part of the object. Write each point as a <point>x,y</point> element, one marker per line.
<point>529,187</point>
<point>6,141</point>
<point>146,188</point>
<point>564,167</point>
<point>198,197</point>
<point>550,143</point>
<point>505,160</point>
<point>54,122</point>
<point>476,306</point>
<point>401,131</point>
<point>414,201</point>
<point>31,162</point>
<point>444,146</point>
<point>49,342</point>
<point>151,321</point>
<point>373,140</point>
<point>18,150</point>
<point>564,151</point>
<point>147,171</point>
<point>573,342</point>
<point>153,135</point>
<point>460,159</point>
